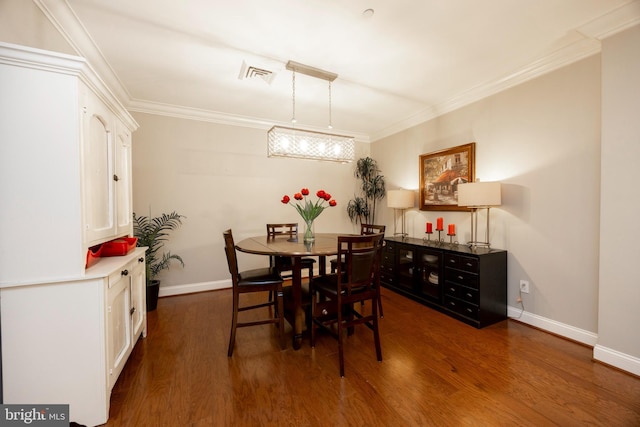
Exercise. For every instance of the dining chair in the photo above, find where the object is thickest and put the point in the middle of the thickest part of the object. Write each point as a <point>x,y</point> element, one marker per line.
<point>357,279</point>
<point>285,263</point>
<point>265,279</point>
<point>364,229</point>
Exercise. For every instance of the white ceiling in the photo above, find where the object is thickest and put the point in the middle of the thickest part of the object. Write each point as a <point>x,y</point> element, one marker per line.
<point>411,60</point>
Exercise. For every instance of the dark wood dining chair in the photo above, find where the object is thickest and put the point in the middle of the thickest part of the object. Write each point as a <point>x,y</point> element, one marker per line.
<point>365,229</point>
<point>284,264</point>
<point>357,279</point>
<point>265,279</point>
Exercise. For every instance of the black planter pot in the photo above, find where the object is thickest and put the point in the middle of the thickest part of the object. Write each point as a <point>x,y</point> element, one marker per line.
<point>153,289</point>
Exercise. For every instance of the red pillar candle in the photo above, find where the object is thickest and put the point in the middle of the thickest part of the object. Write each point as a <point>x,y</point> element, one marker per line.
<point>429,227</point>
<point>439,224</point>
<point>452,229</point>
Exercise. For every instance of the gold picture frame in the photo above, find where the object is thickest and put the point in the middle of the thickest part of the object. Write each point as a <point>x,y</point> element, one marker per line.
<point>440,174</point>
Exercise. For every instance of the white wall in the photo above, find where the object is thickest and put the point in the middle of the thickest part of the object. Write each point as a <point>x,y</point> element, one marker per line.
<point>542,141</point>
<point>219,177</point>
<point>619,292</point>
<point>22,22</point>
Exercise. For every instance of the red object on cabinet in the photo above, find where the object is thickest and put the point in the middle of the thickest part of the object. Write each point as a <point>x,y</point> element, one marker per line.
<point>93,255</point>
<point>119,247</point>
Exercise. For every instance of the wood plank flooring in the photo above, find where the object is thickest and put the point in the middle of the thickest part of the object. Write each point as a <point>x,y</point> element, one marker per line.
<point>435,372</point>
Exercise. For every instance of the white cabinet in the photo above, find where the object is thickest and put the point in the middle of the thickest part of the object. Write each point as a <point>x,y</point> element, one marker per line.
<point>118,325</point>
<point>123,170</point>
<point>67,342</point>
<point>126,315</point>
<point>106,156</point>
<point>65,165</point>
<point>65,185</point>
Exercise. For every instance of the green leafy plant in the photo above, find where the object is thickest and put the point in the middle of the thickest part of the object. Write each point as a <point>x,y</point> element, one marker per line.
<point>153,233</point>
<point>373,189</point>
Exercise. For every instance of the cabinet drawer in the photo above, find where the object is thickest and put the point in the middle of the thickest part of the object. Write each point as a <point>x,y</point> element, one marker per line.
<point>468,295</point>
<point>460,262</point>
<point>452,290</point>
<point>461,277</point>
<point>387,278</point>
<point>462,292</point>
<point>388,257</point>
<point>389,246</point>
<point>461,307</point>
<point>125,271</point>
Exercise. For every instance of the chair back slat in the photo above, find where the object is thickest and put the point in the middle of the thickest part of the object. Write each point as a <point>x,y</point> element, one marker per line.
<point>372,229</point>
<point>289,230</point>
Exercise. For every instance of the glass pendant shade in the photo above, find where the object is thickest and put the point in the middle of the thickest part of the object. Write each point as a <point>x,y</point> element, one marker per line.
<point>305,144</point>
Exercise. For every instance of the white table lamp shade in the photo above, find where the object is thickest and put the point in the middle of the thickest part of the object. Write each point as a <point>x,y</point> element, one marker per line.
<point>479,194</point>
<point>400,199</point>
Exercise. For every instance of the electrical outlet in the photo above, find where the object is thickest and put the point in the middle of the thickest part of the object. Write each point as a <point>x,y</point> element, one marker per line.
<point>524,286</point>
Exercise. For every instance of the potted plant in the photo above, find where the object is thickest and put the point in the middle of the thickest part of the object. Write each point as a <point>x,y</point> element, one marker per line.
<point>363,208</point>
<point>153,233</point>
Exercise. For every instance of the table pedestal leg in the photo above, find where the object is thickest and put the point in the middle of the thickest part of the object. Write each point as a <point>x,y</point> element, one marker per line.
<point>296,283</point>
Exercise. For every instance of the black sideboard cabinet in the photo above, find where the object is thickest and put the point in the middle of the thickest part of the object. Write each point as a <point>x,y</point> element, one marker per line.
<point>467,284</point>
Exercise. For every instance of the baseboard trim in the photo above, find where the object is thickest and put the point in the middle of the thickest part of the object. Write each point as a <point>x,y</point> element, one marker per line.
<point>571,332</point>
<point>167,291</point>
<point>617,359</point>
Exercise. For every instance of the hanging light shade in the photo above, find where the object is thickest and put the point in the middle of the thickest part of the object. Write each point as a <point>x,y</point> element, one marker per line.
<point>305,144</point>
<point>308,144</point>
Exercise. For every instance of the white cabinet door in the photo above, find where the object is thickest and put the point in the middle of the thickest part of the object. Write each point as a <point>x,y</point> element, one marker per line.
<point>138,299</point>
<point>123,171</point>
<point>118,323</point>
<point>98,169</point>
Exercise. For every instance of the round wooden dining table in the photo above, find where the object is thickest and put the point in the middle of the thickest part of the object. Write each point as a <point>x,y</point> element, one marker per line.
<point>325,244</point>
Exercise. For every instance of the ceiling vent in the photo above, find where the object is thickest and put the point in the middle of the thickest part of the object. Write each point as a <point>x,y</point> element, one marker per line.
<point>251,72</point>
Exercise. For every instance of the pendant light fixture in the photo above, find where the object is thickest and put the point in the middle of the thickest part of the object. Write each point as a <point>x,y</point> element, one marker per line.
<point>308,144</point>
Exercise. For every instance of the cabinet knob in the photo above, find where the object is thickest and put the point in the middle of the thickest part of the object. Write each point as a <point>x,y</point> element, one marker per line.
<point>133,310</point>
<point>124,272</point>
<point>115,177</point>
<point>141,259</point>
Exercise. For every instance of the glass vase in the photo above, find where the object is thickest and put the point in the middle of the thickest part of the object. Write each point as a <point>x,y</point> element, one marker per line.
<point>309,236</point>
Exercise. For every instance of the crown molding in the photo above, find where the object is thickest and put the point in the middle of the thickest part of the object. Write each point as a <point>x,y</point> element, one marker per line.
<point>592,32</point>
<point>190,113</point>
<point>558,59</point>
<point>613,22</point>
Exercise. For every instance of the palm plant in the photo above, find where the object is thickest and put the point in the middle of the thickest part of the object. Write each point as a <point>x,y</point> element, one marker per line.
<point>153,233</point>
<point>373,189</point>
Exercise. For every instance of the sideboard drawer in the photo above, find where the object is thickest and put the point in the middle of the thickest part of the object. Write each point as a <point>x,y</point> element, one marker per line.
<point>461,307</point>
<point>461,262</point>
<point>461,277</point>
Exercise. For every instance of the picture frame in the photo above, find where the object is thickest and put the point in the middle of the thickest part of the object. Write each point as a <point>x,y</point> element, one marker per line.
<point>440,174</point>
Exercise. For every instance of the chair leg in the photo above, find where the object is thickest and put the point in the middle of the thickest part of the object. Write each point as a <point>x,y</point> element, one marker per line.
<point>280,315</point>
<point>380,306</point>
<point>234,324</point>
<point>376,334</point>
<point>313,313</point>
<point>340,344</point>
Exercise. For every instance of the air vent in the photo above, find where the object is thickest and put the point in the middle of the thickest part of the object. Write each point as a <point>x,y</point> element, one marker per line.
<point>252,72</point>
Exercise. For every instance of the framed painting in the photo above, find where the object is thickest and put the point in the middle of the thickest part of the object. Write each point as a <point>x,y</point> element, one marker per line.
<point>440,174</point>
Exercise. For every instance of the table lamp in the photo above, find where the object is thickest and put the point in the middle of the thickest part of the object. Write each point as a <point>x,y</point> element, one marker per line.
<point>478,195</point>
<point>399,199</point>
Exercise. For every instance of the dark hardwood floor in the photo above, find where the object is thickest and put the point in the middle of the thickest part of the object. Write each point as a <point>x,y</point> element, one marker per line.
<point>435,372</point>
